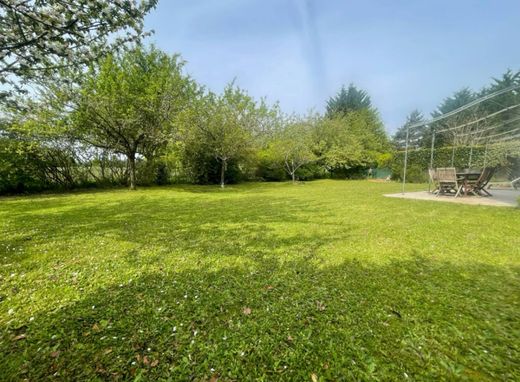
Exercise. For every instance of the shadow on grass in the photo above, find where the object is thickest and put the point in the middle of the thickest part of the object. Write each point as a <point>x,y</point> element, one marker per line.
<point>281,321</point>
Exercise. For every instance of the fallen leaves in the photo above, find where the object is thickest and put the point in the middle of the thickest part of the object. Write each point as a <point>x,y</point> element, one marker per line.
<point>320,306</point>
<point>19,337</point>
<point>147,361</point>
<point>247,311</point>
<point>314,377</point>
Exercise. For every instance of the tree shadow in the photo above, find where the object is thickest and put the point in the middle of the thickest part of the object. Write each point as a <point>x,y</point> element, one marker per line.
<point>281,320</point>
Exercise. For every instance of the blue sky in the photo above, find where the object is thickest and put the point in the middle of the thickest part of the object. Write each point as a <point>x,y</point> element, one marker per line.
<point>406,54</point>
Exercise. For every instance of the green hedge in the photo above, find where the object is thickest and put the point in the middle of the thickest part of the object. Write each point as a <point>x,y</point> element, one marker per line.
<point>498,154</point>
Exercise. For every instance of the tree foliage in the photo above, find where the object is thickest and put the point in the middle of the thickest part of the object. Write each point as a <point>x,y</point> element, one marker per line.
<point>39,38</point>
<point>293,146</point>
<point>415,136</point>
<point>222,128</point>
<point>348,100</point>
<point>474,124</point>
<point>130,105</point>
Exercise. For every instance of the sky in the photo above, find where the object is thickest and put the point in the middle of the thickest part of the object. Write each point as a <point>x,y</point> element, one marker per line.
<point>407,54</point>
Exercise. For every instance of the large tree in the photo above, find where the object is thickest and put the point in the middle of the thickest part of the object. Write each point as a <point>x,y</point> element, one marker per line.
<point>38,38</point>
<point>508,119</point>
<point>348,100</point>
<point>130,105</point>
<point>454,136</point>
<point>351,143</point>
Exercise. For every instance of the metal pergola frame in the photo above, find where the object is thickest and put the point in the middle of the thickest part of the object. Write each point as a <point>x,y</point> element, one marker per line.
<point>504,136</point>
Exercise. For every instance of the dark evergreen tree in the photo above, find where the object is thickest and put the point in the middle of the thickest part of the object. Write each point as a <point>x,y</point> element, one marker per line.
<point>348,100</point>
<point>415,134</point>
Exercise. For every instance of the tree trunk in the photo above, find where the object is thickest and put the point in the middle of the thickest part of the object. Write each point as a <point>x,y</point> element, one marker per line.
<point>222,172</point>
<point>102,163</point>
<point>293,175</point>
<point>131,165</point>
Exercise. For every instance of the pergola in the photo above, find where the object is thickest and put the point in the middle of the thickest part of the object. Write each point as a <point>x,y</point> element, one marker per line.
<point>486,134</point>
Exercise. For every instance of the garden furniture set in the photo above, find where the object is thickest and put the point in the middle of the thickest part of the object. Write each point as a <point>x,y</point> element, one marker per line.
<point>448,181</point>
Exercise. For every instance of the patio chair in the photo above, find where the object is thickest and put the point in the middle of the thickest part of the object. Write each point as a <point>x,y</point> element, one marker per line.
<point>470,179</point>
<point>434,181</point>
<point>515,183</point>
<point>447,180</point>
<point>483,180</point>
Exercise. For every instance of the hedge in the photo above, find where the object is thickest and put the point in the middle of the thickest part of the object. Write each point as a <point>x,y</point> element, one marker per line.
<point>498,154</point>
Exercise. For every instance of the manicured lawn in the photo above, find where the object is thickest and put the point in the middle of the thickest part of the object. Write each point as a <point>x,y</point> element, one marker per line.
<point>327,280</point>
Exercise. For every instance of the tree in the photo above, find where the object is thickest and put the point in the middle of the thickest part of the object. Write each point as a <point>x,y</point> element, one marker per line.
<point>508,99</point>
<point>39,38</point>
<point>129,106</point>
<point>223,127</point>
<point>293,146</point>
<point>348,100</point>
<point>453,137</point>
<point>348,145</point>
<point>415,134</point>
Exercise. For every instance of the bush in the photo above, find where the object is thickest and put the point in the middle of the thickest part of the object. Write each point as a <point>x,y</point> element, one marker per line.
<point>415,174</point>
<point>310,171</point>
<point>270,170</point>
<point>20,167</point>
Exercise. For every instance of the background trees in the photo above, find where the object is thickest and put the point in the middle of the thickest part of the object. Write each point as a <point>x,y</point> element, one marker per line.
<point>354,137</point>
<point>136,118</point>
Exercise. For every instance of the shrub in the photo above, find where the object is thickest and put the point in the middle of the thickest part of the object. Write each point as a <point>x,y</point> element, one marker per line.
<point>270,170</point>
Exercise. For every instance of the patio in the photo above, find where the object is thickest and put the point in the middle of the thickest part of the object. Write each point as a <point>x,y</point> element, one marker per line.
<point>500,198</point>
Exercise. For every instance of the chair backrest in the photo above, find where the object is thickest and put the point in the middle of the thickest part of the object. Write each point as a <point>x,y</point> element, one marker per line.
<point>486,176</point>
<point>433,174</point>
<point>446,174</point>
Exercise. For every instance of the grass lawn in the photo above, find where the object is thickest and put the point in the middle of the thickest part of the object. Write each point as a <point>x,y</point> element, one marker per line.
<point>327,280</point>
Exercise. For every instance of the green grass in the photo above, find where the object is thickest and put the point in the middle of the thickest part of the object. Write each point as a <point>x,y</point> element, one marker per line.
<point>326,280</point>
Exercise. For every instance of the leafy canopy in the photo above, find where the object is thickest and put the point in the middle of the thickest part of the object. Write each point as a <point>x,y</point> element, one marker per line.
<point>40,37</point>
<point>131,104</point>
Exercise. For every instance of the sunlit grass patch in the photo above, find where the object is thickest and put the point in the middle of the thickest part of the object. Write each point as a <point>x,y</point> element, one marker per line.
<point>258,281</point>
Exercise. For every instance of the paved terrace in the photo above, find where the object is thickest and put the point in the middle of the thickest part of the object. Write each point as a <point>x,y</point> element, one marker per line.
<point>500,198</point>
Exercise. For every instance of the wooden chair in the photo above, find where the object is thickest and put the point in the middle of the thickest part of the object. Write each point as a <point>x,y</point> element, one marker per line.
<point>470,184</point>
<point>515,183</point>
<point>483,180</point>
<point>434,181</point>
<point>447,179</point>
